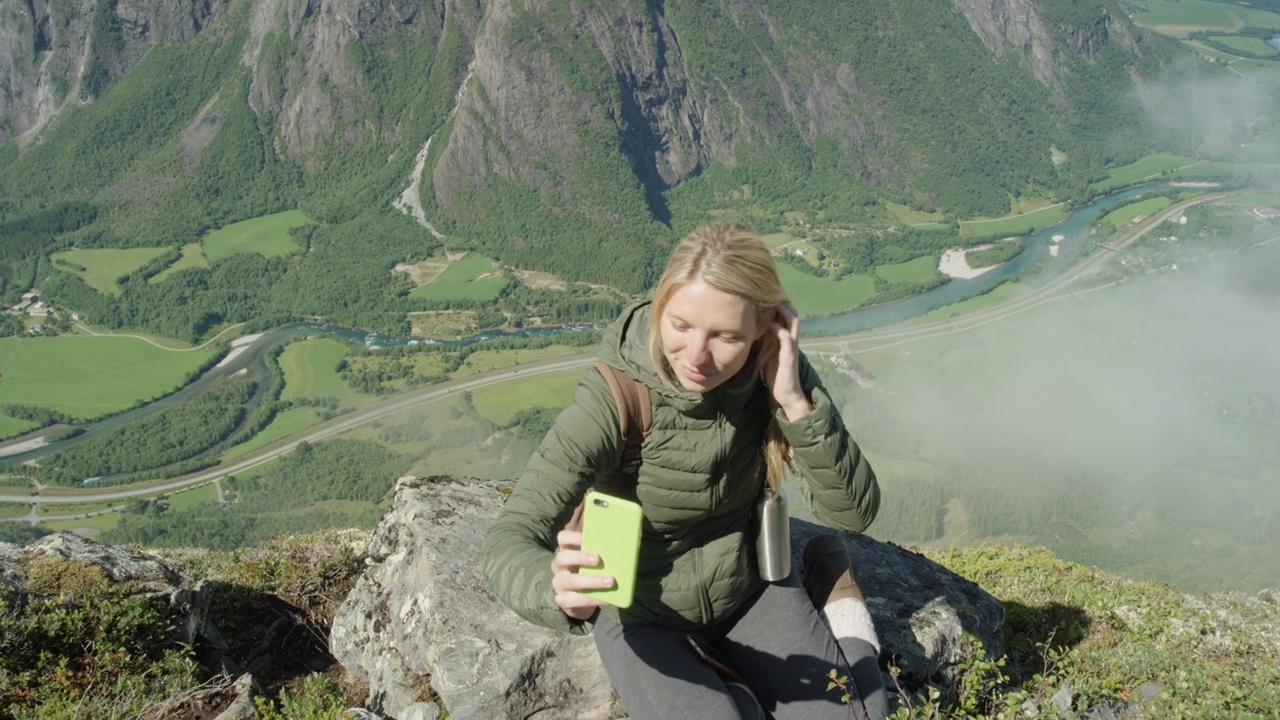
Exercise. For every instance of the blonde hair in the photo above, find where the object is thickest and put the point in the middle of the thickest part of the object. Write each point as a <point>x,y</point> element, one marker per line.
<point>730,257</point>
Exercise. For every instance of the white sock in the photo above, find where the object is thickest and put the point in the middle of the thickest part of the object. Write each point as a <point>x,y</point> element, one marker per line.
<point>850,618</point>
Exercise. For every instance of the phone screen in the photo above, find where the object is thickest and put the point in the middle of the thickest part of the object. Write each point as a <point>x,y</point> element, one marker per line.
<point>611,530</point>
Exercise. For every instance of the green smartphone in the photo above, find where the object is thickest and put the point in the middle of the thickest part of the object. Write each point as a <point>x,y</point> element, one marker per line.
<point>611,530</point>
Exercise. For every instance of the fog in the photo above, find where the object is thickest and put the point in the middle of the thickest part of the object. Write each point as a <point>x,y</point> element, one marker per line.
<point>1194,101</point>
<point>1143,414</point>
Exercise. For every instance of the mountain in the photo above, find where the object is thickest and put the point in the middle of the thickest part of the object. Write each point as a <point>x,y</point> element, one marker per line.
<point>575,138</point>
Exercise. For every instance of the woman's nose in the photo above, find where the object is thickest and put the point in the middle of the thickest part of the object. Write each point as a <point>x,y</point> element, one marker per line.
<point>698,350</point>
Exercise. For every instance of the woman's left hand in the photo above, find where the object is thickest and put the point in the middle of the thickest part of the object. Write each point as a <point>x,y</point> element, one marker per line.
<point>780,361</point>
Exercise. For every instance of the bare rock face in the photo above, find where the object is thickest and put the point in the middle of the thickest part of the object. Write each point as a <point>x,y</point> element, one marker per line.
<point>421,624</point>
<point>48,49</point>
<point>1018,26</point>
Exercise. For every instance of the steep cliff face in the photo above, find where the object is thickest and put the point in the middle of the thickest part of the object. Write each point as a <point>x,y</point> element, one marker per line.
<point>1019,28</point>
<point>56,52</point>
<point>523,127</point>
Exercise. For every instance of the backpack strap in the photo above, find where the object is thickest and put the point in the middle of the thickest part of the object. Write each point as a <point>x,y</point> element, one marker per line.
<point>635,418</point>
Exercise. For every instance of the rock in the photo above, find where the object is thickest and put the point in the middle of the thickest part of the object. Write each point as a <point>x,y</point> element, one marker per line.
<point>243,707</point>
<point>421,625</point>
<point>144,573</point>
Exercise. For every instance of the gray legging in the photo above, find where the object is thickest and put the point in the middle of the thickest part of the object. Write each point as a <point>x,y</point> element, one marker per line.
<point>776,640</point>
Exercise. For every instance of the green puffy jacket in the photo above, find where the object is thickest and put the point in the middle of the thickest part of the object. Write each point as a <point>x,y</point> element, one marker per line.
<point>698,485</point>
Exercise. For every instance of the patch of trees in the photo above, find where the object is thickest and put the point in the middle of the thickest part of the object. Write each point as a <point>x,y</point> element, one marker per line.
<point>191,303</point>
<point>41,416</point>
<point>32,232</point>
<point>291,495</point>
<point>1001,252</point>
<point>11,325</point>
<point>166,437</point>
<point>1211,39</point>
<point>392,370</point>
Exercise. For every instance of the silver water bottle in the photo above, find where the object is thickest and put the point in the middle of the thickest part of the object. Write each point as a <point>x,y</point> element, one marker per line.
<point>773,544</point>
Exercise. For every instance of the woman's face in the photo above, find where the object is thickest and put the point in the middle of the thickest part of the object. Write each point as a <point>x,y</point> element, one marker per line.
<point>707,335</point>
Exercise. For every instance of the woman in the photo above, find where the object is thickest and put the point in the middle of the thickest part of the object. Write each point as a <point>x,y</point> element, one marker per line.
<point>731,393</point>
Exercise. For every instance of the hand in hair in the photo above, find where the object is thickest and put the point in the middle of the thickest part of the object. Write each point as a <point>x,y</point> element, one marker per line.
<point>780,361</point>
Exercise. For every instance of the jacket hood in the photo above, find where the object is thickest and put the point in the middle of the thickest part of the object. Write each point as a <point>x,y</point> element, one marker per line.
<point>625,346</point>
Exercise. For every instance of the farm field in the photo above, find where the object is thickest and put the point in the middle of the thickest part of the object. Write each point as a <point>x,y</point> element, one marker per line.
<point>267,235</point>
<point>1179,17</point>
<point>1264,199</point>
<point>819,296</point>
<point>73,508</point>
<point>1253,45</point>
<point>1216,170</point>
<point>1015,225</point>
<point>500,403</point>
<point>922,268</point>
<point>309,370</point>
<point>97,522</point>
<point>912,216</point>
<point>1147,167</point>
<point>102,265</point>
<point>1263,68</point>
<point>11,427</point>
<point>283,425</point>
<point>1002,293</point>
<point>192,257</point>
<point>188,499</point>
<point>459,282</point>
<point>483,360</point>
<point>1209,52</point>
<point>1122,216</point>
<point>88,377</point>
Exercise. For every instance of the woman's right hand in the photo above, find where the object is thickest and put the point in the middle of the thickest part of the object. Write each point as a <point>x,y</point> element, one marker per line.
<point>568,584</point>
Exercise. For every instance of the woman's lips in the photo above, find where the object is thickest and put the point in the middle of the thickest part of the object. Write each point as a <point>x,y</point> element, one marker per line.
<point>694,374</point>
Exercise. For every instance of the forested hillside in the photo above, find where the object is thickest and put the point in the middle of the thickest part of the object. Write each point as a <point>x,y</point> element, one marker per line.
<point>577,140</point>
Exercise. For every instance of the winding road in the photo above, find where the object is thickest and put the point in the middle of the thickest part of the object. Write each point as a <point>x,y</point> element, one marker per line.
<point>1052,291</point>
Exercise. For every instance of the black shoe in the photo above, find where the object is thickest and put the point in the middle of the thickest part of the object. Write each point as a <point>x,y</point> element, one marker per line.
<point>828,574</point>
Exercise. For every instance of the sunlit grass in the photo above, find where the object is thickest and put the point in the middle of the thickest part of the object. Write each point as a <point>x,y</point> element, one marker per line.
<point>55,509</point>
<point>102,266</point>
<point>283,425</point>
<point>12,427</point>
<point>1178,17</point>
<point>462,280</point>
<point>499,404</point>
<point>192,257</point>
<point>90,376</point>
<point>483,360</point>
<point>1015,225</point>
<point>309,368</point>
<point>1147,167</point>
<point>267,235</point>
<point>922,268</point>
<point>1126,214</point>
<point>820,296</point>
<point>188,499</point>
<point>911,216</point>
<point>100,522</point>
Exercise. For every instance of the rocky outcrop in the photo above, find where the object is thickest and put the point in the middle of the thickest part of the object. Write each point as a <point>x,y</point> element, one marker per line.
<point>421,627</point>
<point>140,572</point>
